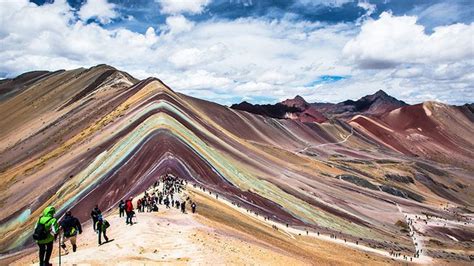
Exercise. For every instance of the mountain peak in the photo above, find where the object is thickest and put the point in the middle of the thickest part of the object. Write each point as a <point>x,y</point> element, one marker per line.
<point>381,93</point>
<point>299,98</point>
<point>298,102</point>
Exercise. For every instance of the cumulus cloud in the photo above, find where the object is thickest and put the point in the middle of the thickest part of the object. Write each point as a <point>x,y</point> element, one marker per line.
<point>193,56</point>
<point>443,13</point>
<point>369,10</point>
<point>249,58</point>
<point>391,40</point>
<point>412,63</point>
<point>178,23</point>
<point>183,6</point>
<point>101,10</point>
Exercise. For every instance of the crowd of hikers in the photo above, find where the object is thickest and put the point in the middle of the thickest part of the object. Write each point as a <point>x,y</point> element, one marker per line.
<point>48,228</point>
<point>154,196</point>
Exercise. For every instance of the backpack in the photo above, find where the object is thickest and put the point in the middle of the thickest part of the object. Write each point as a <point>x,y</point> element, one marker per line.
<point>70,232</point>
<point>41,232</point>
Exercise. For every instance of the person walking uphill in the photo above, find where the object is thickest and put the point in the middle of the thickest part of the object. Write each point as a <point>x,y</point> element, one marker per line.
<point>121,208</point>
<point>94,215</point>
<point>129,210</point>
<point>45,233</point>
<point>102,226</point>
<point>70,226</point>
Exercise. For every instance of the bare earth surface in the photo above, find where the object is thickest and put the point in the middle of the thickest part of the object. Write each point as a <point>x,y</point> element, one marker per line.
<point>217,233</point>
<point>398,182</point>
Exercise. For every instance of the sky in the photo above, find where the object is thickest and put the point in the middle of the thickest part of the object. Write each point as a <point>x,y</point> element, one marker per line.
<point>228,51</point>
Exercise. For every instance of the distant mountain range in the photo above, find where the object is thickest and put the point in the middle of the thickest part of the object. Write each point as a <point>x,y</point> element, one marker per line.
<point>298,108</point>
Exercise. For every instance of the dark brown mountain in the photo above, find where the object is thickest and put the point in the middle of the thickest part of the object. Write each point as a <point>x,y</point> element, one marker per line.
<point>296,109</point>
<point>277,110</point>
<point>376,104</point>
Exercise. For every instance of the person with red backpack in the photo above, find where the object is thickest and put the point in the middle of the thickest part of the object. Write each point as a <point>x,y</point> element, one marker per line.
<point>45,233</point>
<point>129,211</point>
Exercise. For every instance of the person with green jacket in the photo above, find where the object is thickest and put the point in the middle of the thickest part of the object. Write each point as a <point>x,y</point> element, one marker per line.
<point>102,226</point>
<point>46,229</point>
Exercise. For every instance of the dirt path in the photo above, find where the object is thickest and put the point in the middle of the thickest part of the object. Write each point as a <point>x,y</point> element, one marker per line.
<point>292,232</point>
<point>171,237</point>
<point>416,238</point>
<point>331,143</point>
<point>164,237</point>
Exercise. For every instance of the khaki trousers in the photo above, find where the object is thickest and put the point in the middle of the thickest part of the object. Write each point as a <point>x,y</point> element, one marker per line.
<point>72,239</point>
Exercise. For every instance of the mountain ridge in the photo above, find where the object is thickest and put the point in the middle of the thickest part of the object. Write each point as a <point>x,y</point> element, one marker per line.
<point>121,135</point>
<point>375,104</point>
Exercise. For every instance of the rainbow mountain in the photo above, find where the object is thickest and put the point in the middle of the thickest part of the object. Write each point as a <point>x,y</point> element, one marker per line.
<point>82,137</point>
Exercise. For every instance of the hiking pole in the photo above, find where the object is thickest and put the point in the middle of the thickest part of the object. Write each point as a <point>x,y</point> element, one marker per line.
<point>59,241</point>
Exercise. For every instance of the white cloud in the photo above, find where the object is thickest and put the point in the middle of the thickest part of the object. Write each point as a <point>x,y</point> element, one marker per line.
<point>253,87</point>
<point>183,6</point>
<point>225,60</point>
<point>443,13</point>
<point>411,63</point>
<point>178,23</point>
<point>193,56</point>
<point>101,10</point>
<point>369,10</point>
<point>392,40</point>
<point>199,80</point>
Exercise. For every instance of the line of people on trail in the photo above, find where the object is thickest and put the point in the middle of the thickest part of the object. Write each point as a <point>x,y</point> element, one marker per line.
<point>150,201</point>
<point>48,228</point>
<point>171,185</point>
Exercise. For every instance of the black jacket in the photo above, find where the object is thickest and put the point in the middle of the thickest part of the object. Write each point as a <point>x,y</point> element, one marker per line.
<point>71,226</point>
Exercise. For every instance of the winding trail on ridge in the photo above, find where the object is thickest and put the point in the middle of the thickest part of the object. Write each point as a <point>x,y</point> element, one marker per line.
<point>417,242</point>
<point>291,232</point>
<point>331,143</point>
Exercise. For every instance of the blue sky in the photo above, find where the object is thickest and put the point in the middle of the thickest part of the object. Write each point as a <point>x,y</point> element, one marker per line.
<point>259,51</point>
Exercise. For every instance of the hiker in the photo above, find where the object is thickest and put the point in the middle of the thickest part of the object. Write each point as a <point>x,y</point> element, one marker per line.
<point>193,207</point>
<point>143,204</point>
<point>129,211</point>
<point>150,204</point>
<point>94,214</point>
<point>183,207</point>
<point>167,202</point>
<point>121,208</point>
<point>139,204</point>
<point>45,233</point>
<point>70,226</point>
<point>102,226</point>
